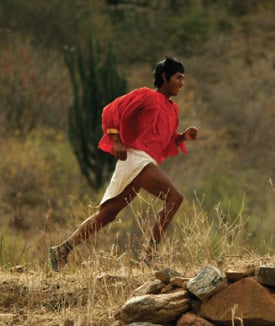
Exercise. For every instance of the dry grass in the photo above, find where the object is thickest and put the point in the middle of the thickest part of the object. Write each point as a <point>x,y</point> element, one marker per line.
<point>86,296</point>
<point>100,277</point>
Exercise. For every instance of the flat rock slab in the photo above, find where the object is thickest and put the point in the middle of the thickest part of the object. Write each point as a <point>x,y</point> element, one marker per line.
<point>266,275</point>
<point>179,281</point>
<point>190,319</point>
<point>143,324</point>
<point>235,275</point>
<point>160,308</point>
<point>150,287</point>
<point>166,274</point>
<point>245,299</point>
<point>208,281</point>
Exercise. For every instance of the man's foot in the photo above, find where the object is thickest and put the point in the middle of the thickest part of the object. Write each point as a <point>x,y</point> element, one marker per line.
<point>58,257</point>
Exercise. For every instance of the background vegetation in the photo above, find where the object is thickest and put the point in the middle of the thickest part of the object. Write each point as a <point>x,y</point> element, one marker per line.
<point>229,52</point>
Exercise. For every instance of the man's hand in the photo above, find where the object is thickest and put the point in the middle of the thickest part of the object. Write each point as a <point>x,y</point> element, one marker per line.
<point>119,149</point>
<point>190,133</point>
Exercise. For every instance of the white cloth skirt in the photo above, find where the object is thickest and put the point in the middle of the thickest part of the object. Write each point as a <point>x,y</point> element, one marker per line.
<point>125,172</point>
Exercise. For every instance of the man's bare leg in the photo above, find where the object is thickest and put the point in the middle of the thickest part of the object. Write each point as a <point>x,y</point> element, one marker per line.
<point>106,214</point>
<point>151,179</point>
<point>156,182</point>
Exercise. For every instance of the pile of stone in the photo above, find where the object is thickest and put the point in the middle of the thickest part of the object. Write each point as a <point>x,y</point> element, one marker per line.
<point>210,298</point>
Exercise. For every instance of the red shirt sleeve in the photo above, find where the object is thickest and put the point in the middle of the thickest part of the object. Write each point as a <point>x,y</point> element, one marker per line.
<point>115,114</point>
<point>173,148</point>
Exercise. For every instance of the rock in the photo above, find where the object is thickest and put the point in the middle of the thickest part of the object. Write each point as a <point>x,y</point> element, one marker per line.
<point>105,277</point>
<point>245,299</point>
<point>18,269</point>
<point>143,324</point>
<point>117,323</point>
<point>165,275</point>
<point>168,288</point>
<point>195,306</point>
<point>68,322</point>
<point>266,275</point>
<point>160,308</point>
<point>179,281</point>
<point>150,287</point>
<point>208,281</point>
<point>190,319</point>
<point>233,276</point>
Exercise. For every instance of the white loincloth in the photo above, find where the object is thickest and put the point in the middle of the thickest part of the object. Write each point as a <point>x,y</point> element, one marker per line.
<point>125,172</point>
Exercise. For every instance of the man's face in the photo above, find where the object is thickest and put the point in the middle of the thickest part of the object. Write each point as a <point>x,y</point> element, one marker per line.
<point>174,85</point>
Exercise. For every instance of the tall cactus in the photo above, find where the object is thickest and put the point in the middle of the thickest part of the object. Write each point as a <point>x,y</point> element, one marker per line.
<point>95,82</point>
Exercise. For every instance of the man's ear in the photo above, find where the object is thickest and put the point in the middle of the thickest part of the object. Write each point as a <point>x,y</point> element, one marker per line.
<point>164,76</point>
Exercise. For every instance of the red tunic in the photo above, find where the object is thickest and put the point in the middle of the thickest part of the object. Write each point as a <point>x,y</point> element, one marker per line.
<point>146,120</point>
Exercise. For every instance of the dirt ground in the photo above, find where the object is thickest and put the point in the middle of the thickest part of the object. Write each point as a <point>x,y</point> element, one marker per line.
<point>61,299</point>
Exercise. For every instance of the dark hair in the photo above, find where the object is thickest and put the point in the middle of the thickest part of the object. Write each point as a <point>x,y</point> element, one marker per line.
<point>168,65</point>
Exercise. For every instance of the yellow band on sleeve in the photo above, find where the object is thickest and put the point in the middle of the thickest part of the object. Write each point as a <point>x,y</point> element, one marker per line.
<point>112,131</point>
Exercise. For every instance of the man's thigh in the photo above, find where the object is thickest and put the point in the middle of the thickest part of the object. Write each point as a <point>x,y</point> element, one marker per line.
<point>154,180</point>
<point>116,204</point>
